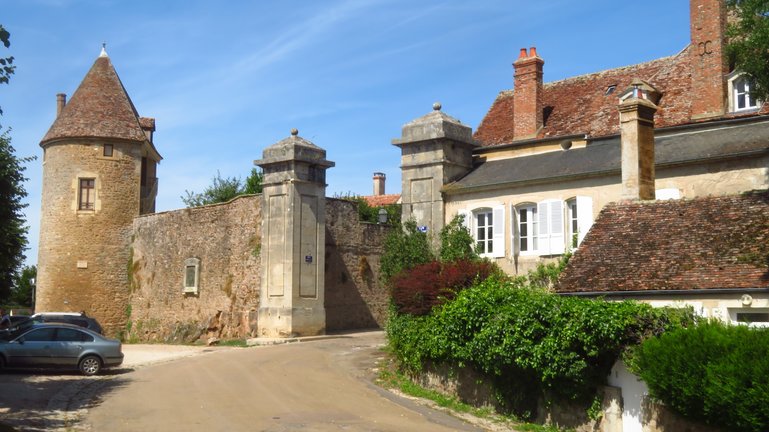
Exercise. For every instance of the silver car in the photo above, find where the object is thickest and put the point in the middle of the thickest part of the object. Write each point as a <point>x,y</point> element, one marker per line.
<point>61,346</point>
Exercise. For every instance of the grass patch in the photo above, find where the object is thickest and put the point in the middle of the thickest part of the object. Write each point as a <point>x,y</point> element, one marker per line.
<point>233,343</point>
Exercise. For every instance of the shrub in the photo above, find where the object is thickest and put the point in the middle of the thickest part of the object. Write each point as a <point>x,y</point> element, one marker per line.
<point>418,290</point>
<point>553,346</point>
<point>713,372</point>
<point>405,247</point>
<point>456,241</point>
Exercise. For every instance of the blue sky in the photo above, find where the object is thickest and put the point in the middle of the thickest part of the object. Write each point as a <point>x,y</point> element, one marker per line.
<point>226,79</point>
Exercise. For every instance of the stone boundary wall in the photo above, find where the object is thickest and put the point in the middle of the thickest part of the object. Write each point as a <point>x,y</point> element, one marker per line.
<point>476,389</point>
<point>226,239</point>
<point>355,298</point>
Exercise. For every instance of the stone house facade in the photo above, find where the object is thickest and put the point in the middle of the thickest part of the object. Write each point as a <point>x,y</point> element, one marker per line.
<point>547,157</point>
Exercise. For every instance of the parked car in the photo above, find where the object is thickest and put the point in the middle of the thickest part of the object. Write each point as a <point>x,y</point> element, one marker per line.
<point>78,319</point>
<point>63,346</point>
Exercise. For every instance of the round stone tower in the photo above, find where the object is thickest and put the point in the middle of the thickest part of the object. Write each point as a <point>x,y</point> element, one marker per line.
<point>99,173</point>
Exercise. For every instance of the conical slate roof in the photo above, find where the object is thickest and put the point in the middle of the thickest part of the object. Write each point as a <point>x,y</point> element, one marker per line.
<point>99,108</point>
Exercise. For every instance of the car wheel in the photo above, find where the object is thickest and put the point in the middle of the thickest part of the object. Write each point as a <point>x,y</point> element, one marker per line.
<point>90,365</point>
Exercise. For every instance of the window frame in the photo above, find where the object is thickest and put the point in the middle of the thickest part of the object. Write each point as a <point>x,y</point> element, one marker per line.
<point>489,231</point>
<point>532,233</point>
<point>734,81</point>
<point>86,196</point>
<point>191,264</point>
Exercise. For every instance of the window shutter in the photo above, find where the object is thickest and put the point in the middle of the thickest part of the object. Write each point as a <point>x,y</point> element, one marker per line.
<point>543,229</point>
<point>557,238</point>
<point>584,216</point>
<point>499,232</point>
<point>552,239</point>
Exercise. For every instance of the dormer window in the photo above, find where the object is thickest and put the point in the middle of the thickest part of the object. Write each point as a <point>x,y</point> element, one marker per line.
<point>740,97</point>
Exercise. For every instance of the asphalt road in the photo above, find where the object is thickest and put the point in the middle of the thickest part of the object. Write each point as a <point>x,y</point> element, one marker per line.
<point>322,385</point>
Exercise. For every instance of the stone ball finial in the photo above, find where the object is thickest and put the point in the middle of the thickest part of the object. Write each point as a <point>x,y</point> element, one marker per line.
<point>294,132</point>
<point>437,106</point>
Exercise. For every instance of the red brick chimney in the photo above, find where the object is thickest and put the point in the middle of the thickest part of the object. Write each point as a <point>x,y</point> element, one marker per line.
<point>379,183</point>
<point>527,105</point>
<point>707,57</point>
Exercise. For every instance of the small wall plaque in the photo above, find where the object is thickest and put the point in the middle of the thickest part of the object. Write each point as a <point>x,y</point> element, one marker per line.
<point>82,264</point>
<point>308,259</point>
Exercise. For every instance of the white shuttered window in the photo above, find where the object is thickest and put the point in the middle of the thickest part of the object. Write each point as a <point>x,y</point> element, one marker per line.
<point>551,227</point>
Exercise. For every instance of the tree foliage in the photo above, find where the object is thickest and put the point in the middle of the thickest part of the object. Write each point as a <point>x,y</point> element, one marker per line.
<point>749,42</point>
<point>404,248</point>
<point>456,241</point>
<point>7,67</point>
<point>224,189</point>
<point>13,231</point>
<point>24,287</point>
<point>368,213</point>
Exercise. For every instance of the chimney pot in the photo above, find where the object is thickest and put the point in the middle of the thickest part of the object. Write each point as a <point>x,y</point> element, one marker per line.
<point>61,101</point>
<point>523,54</point>
<point>533,52</point>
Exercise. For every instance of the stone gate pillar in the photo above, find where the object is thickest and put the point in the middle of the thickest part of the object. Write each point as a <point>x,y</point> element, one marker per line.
<point>291,301</point>
<point>436,149</point>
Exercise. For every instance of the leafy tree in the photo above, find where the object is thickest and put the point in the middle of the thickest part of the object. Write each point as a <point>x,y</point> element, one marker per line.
<point>456,241</point>
<point>225,189</point>
<point>405,248</point>
<point>22,292</point>
<point>749,42</point>
<point>13,231</point>
<point>254,181</point>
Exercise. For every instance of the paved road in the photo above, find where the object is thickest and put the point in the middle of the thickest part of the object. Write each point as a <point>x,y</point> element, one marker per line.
<point>315,386</point>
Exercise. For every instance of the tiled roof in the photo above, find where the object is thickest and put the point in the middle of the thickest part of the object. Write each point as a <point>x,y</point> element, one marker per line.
<point>703,243</point>
<point>581,105</point>
<point>382,200</point>
<point>100,108</point>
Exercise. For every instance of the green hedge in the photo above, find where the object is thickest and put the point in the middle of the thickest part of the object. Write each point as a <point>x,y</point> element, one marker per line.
<point>527,339</point>
<point>713,372</point>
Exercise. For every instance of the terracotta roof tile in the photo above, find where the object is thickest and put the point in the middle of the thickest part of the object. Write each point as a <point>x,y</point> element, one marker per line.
<point>703,243</point>
<point>581,105</point>
<point>382,200</point>
<point>100,107</point>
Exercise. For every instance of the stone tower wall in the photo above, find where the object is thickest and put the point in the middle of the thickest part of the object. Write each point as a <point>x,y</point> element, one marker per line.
<point>225,238</point>
<point>84,254</point>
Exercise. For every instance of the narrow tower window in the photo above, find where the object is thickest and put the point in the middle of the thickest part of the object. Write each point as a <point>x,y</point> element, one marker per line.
<point>108,150</point>
<point>87,194</point>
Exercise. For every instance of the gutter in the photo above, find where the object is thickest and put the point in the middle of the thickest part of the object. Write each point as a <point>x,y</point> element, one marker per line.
<point>653,293</point>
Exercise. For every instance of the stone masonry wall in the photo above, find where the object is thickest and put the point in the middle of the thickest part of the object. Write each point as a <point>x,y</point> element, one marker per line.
<point>83,254</point>
<point>226,239</point>
<point>355,299</point>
